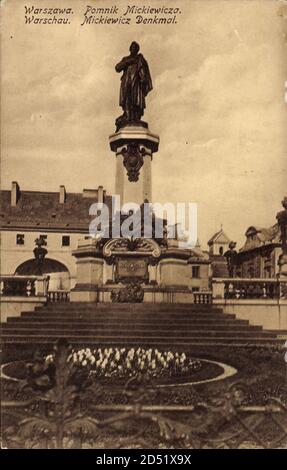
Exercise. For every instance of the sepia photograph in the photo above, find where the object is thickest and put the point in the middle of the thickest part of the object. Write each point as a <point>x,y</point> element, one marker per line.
<point>143,227</point>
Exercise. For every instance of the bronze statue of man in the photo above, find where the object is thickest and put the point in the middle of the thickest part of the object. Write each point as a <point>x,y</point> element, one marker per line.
<point>230,256</point>
<point>135,85</point>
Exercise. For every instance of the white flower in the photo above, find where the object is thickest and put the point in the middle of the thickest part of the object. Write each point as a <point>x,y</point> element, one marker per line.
<point>49,358</point>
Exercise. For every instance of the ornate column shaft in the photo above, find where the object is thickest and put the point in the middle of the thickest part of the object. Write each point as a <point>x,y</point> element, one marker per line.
<point>134,146</point>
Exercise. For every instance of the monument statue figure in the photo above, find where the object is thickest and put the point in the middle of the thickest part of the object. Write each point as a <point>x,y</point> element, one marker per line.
<point>135,85</point>
<point>231,256</point>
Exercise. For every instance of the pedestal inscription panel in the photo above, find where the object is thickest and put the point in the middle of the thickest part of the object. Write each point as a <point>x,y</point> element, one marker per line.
<point>128,269</point>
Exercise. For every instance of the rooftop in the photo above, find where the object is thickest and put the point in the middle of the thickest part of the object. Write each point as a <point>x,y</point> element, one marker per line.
<point>257,237</point>
<point>219,236</point>
<point>41,209</point>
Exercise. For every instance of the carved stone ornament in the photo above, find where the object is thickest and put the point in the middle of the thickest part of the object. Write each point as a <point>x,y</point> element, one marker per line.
<point>133,160</point>
<point>132,293</point>
<point>139,246</point>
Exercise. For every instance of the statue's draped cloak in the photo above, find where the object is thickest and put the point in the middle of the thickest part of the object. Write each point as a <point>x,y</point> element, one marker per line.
<point>135,83</point>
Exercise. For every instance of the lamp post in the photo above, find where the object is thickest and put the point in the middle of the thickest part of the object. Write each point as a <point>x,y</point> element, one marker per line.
<point>40,253</point>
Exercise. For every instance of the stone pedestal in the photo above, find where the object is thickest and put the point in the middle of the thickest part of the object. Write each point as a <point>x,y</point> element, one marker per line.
<point>89,266</point>
<point>218,288</point>
<point>42,286</point>
<point>134,146</point>
<point>164,273</point>
<point>174,272</point>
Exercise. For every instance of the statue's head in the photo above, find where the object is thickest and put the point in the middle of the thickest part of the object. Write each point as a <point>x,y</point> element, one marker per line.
<point>134,48</point>
<point>232,245</point>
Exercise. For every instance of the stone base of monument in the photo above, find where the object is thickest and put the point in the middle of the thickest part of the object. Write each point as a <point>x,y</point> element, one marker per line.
<point>84,293</point>
<point>150,294</point>
<point>121,270</point>
<point>90,269</point>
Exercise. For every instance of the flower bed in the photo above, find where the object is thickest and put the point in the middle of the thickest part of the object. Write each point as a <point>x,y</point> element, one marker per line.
<point>117,365</point>
<point>124,363</point>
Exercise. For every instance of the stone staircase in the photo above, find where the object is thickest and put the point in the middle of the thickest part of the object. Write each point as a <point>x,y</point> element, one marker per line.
<point>158,325</point>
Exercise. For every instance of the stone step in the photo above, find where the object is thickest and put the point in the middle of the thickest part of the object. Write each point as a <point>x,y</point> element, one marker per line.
<point>85,324</point>
<point>131,326</point>
<point>129,316</point>
<point>123,306</point>
<point>124,333</point>
<point>86,341</point>
<point>147,308</point>
<point>107,321</point>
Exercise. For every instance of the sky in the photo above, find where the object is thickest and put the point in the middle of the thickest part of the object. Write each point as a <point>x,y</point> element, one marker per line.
<point>217,104</point>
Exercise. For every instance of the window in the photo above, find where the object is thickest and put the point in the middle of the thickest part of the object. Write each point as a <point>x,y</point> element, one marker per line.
<point>65,240</point>
<point>221,250</point>
<point>20,239</point>
<point>195,271</point>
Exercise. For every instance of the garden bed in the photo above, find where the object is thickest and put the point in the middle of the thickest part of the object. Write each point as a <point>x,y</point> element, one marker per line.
<point>202,371</point>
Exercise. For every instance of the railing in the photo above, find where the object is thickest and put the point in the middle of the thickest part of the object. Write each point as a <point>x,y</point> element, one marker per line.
<point>239,288</point>
<point>245,414</point>
<point>23,286</point>
<point>31,286</point>
<point>202,297</point>
<point>58,296</point>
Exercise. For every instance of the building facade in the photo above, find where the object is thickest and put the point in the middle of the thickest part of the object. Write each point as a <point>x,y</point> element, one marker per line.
<point>258,258</point>
<point>62,219</point>
<point>218,245</point>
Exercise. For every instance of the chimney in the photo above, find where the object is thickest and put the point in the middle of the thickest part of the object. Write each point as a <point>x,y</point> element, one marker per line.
<point>15,193</point>
<point>101,194</point>
<point>62,195</point>
<point>90,193</point>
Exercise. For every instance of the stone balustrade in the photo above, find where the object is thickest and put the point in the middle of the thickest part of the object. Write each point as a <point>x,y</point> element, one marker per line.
<point>58,296</point>
<point>242,288</point>
<point>23,286</point>
<point>202,297</point>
